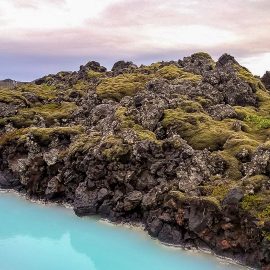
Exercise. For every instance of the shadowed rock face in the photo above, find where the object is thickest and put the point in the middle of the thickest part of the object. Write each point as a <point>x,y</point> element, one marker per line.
<point>181,146</point>
<point>266,79</point>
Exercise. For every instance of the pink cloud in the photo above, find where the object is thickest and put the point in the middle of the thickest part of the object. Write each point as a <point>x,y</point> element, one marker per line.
<point>35,3</point>
<point>138,29</point>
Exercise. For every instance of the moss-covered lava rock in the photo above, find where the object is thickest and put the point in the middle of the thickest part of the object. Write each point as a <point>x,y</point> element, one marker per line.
<point>181,146</point>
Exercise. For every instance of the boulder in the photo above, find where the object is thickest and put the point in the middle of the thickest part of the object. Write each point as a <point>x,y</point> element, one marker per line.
<point>85,202</point>
<point>92,65</point>
<point>132,200</point>
<point>225,59</point>
<point>233,197</point>
<point>54,188</point>
<point>122,66</point>
<point>8,181</point>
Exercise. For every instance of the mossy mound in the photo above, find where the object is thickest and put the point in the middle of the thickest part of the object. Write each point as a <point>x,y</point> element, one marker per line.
<point>94,75</point>
<point>239,141</point>
<point>49,112</point>
<point>114,147</point>
<point>202,55</point>
<point>122,85</point>
<point>151,69</point>
<point>83,142</point>
<point>81,86</point>
<point>220,191</point>
<point>198,128</point>
<point>172,72</point>
<point>258,205</point>
<point>233,170</point>
<point>19,94</point>
<point>43,92</point>
<point>42,135</point>
<point>11,96</point>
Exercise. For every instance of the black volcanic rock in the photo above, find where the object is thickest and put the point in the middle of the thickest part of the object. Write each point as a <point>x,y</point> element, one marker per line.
<point>122,66</point>
<point>225,58</point>
<point>180,146</point>
<point>266,80</point>
<point>92,65</point>
<point>8,181</point>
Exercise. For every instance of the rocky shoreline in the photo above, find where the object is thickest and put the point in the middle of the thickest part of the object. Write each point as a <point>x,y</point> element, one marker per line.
<point>181,147</point>
<point>166,239</point>
<point>134,226</point>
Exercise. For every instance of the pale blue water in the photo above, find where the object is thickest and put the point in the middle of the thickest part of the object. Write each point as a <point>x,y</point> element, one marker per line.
<point>42,237</point>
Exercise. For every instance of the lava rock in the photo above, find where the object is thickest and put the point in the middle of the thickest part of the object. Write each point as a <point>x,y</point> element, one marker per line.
<point>132,200</point>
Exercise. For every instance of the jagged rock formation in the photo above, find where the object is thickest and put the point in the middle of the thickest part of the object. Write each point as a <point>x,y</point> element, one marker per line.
<point>266,79</point>
<point>181,146</point>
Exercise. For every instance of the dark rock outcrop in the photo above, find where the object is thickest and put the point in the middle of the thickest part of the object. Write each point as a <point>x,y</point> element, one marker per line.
<point>122,66</point>
<point>181,147</point>
<point>266,79</point>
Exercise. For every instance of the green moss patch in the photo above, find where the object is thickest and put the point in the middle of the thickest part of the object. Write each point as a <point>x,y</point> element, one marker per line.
<point>256,182</point>
<point>41,134</point>
<point>202,55</point>
<point>81,86</point>
<point>125,120</point>
<point>172,72</point>
<point>11,96</point>
<point>233,171</point>
<point>144,134</point>
<point>219,192</point>
<point>43,92</point>
<point>83,142</point>
<point>206,200</point>
<point>247,76</point>
<point>258,205</point>
<point>114,147</point>
<point>240,141</point>
<point>19,93</point>
<point>259,121</point>
<point>94,75</point>
<point>122,85</point>
<point>50,112</point>
<point>199,129</point>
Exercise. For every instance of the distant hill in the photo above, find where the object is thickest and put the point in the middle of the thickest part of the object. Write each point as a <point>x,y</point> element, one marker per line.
<point>9,83</point>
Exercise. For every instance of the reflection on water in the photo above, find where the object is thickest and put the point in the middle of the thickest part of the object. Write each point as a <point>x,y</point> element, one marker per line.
<point>35,236</point>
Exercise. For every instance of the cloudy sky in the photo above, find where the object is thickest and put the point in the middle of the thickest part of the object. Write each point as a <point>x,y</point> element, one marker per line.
<point>45,36</point>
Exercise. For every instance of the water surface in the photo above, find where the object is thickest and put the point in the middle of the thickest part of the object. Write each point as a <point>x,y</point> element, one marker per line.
<point>48,237</point>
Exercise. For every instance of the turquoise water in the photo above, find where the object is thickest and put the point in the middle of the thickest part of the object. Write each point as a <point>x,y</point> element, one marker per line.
<point>42,237</point>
